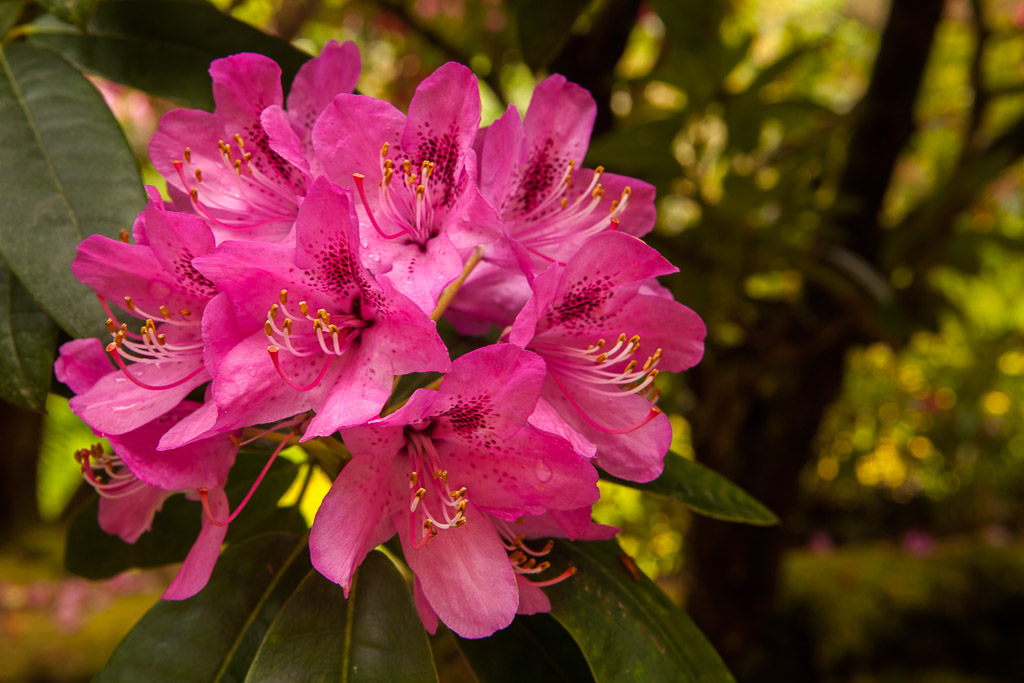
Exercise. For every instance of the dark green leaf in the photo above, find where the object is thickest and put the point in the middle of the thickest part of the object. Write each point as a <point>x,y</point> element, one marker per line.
<point>704,491</point>
<point>261,512</point>
<point>544,27</point>
<point>162,46</point>
<point>626,626</point>
<point>200,639</point>
<point>75,12</point>
<point>533,648</point>
<point>93,553</point>
<point>28,339</point>
<point>10,10</point>
<point>374,635</point>
<point>66,172</point>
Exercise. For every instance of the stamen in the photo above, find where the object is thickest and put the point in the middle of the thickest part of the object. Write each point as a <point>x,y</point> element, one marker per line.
<point>204,492</point>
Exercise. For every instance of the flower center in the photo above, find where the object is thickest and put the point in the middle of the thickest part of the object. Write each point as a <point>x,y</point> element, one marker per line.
<point>302,335</point>
<point>240,190</point>
<point>408,198</point>
<point>552,212</point>
<point>433,504</point>
<point>150,345</point>
<point>106,473</point>
<point>600,369</point>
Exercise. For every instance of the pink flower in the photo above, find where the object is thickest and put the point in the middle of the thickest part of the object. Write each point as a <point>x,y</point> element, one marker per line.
<point>135,480</point>
<point>245,166</point>
<point>527,558</point>
<point>549,207</point>
<point>604,334</point>
<point>302,326</point>
<point>423,210</point>
<point>155,281</point>
<point>438,471</point>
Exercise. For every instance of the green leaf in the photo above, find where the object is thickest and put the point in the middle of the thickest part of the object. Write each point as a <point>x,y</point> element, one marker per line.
<point>374,635</point>
<point>208,636</point>
<point>28,340</point>
<point>10,11</point>
<point>75,12</point>
<point>544,28</point>
<point>532,648</point>
<point>704,491</point>
<point>93,553</point>
<point>66,172</point>
<point>626,626</point>
<point>163,47</point>
<point>58,475</point>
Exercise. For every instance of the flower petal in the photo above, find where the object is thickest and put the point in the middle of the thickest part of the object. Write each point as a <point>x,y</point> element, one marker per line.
<point>199,563</point>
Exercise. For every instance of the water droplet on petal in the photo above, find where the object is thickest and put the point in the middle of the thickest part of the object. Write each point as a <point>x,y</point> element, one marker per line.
<point>158,289</point>
<point>543,471</point>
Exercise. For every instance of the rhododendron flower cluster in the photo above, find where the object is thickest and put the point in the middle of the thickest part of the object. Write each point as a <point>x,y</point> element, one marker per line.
<point>294,281</point>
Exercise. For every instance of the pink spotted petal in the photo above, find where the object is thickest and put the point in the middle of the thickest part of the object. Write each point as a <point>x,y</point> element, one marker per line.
<point>531,598</point>
<point>334,71</point>
<point>466,576</point>
<point>353,518</point>
<point>128,517</point>
<point>243,86</point>
<point>199,563</point>
<point>427,614</point>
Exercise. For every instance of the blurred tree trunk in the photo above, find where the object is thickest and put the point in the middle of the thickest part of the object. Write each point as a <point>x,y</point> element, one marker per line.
<point>761,404</point>
<point>22,430</point>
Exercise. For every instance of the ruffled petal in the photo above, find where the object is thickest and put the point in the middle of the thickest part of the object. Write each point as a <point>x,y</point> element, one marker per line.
<point>199,563</point>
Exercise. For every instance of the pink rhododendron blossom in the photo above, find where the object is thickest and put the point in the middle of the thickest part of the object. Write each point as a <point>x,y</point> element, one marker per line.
<point>135,480</point>
<point>304,326</point>
<point>548,206</point>
<point>528,559</point>
<point>604,339</point>
<point>416,178</point>
<point>244,167</point>
<point>438,471</point>
<point>158,365</point>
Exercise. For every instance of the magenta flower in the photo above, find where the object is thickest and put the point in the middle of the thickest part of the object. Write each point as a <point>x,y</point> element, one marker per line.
<point>245,166</point>
<point>549,207</point>
<point>135,480</point>
<point>155,281</point>
<point>604,333</point>
<point>416,178</point>
<point>527,558</point>
<point>303,326</point>
<point>443,471</point>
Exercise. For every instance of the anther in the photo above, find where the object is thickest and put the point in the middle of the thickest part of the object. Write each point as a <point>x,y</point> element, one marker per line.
<point>241,143</point>
<point>304,307</point>
<point>129,303</point>
<point>238,166</point>
<point>165,311</point>
<point>161,339</point>
<point>123,235</point>
<point>283,296</point>
<point>273,312</point>
<point>199,175</point>
<point>185,313</point>
<point>188,155</point>
<point>268,329</point>
<point>194,194</point>
<point>111,327</point>
<point>384,150</point>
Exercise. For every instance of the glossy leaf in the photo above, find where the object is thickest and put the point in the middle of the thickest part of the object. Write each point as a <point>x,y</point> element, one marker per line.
<point>544,28</point>
<point>532,648</point>
<point>163,47</point>
<point>28,341</point>
<point>374,635</point>
<point>75,12</point>
<point>704,491</point>
<point>66,172</point>
<point>95,554</point>
<point>200,639</point>
<point>626,626</point>
<point>10,10</point>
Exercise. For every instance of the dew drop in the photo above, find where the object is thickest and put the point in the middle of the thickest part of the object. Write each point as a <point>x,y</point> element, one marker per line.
<point>543,471</point>
<point>158,289</point>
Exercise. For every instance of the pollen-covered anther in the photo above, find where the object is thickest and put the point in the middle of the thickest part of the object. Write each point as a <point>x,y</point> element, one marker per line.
<point>188,155</point>
<point>124,236</point>
<point>199,175</point>
<point>384,150</point>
